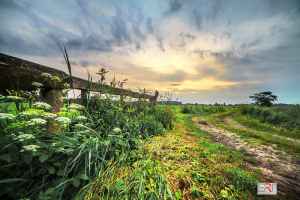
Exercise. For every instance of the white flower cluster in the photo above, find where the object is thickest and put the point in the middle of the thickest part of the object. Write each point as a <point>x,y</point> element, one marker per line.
<point>29,113</point>
<point>64,151</point>
<point>36,121</point>
<point>29,148</point>
<point>81,118</point>
<point>46,75</point>
<point>64,120</point>
<point>6,116</point>
<point>80,126</point>
<point>56,79</point>
<point>73,110</point>
<point>37,84</point>
<point>42,105</point>
<point>23,137</point>
<point>49,115</point>
<point>14,98</point>
<point>116,130</point>
<point>76,106</point>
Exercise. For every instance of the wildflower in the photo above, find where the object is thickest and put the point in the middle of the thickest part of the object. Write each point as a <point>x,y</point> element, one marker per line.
<point>64,120</point>
<point>37,84</point>
<point>23,137</point>
<point>73,110</point>
<point>14,98</point>
<point>116,130</point>
<point>76,106</point>
<point>56,79</point>
<point>29,113</point>
<point>36,121</point>
<point>50,115</point>
<point>46,75</point>
<point>81,118</point>
<point>6,116</point>
<point>29,148</point>
<point>66,85</point>
<point>42,105</point>
<point>80,126</point>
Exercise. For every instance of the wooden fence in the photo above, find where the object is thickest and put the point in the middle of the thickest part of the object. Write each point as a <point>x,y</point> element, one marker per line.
<point>12,68</point>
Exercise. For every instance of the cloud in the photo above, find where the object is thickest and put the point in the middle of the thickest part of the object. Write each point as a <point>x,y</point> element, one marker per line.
<point>149,26</point>
<point>228,22</point>
<point>200,53</point>
<point>174,85</point>
<point>160,44</point>
<point>136,17</point>
<point>255,42</point>
<point>213,11</point>
<point>196,19</point>
<point>84,63</point>
<point>174,7</point>
<point>71,62</point>
<point>188,35</point>
<point>119,29</point>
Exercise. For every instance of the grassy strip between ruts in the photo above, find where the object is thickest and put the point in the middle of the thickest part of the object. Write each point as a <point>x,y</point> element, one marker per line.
<point>263,138</point>
<point>183,162</point>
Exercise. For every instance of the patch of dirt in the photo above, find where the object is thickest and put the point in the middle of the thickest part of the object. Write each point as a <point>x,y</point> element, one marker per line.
<point>276,165</point>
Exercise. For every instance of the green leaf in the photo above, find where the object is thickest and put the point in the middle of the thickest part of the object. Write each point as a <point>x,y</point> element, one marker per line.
<point>224,193</point>
<point>43,157</point>
<point>51,169</point>
<point>27,158</point>
<point>120,186</point>
<point>49,191</point>
<point>6,157</point>
<point>76,182</point>
<point>57,164</point>
<point>111,189</point>
<point>83,176</point>
<point>60,173</point>
<point>12,180</point>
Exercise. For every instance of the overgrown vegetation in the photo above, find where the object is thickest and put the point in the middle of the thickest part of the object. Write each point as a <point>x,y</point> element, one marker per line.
<point>282,117</point>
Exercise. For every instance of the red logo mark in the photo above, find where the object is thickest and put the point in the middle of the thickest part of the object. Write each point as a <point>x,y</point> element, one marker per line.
<point>268,187</point>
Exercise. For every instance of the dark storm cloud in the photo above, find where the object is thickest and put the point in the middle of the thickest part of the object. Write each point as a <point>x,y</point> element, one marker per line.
<point>84,63</point>
<point>213,11</point>
<point>174,6</point>
<point>149,25</point>
<point>119,29</point>
<point>160,44</point>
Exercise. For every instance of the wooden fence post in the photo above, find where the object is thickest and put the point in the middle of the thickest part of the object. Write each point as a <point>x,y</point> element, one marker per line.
<point>53,97</point>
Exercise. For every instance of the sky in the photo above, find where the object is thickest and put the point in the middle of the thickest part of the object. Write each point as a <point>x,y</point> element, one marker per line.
<point>199,51</point>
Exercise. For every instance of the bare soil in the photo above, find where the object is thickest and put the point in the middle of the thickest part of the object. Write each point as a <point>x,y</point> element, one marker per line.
<point>276,165</point>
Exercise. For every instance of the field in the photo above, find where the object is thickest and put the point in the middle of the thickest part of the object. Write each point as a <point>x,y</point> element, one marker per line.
<point>105,151</point>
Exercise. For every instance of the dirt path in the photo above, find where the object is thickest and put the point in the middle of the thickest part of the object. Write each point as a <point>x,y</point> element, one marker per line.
<point>276,165</point>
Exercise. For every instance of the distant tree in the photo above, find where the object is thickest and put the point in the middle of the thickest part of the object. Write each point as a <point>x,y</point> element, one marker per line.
<point>264,98</point>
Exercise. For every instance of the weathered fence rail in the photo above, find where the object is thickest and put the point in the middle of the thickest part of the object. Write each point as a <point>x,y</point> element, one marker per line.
<point>12,68</point>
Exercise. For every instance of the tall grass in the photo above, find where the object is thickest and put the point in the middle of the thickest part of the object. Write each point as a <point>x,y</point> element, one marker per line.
<point>200,109</point>
<point>283,117</point>
<point>85,144</point>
